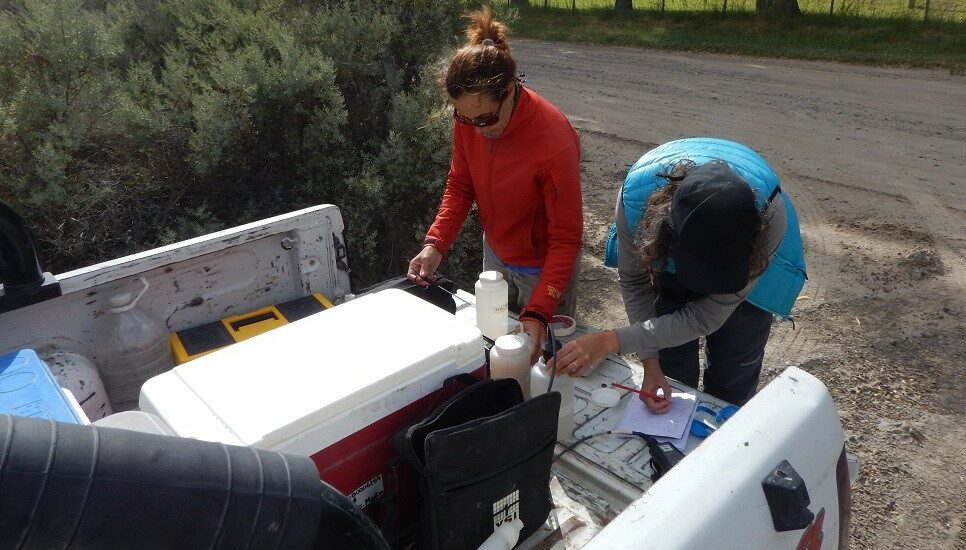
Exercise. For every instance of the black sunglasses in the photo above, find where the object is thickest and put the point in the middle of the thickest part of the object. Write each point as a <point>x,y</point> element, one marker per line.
<point>485,120</point>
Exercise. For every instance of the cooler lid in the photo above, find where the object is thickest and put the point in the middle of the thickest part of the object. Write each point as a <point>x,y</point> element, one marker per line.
<point>28,388</point>
<point>274,386</point>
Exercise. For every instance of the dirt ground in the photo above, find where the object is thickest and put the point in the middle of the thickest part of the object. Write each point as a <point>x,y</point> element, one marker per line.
<point>874,159</point>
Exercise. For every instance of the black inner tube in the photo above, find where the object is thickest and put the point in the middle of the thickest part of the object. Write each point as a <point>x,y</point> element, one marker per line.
<point>72,486</point>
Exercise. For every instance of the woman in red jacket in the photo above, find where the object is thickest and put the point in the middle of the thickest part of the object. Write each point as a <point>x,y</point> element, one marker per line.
<point>518,158</point>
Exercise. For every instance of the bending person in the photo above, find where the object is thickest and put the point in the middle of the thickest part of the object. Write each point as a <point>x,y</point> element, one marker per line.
<point>717,254</point>
<point>518,158</point>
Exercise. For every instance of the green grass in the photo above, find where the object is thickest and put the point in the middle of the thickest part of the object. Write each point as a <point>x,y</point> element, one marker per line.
<point>948,10</point>
<point>852,39</point>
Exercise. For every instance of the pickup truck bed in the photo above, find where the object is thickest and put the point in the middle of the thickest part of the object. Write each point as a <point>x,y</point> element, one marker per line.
<point>602,490</point>
<point>714,499</point>
<point>596,480</point>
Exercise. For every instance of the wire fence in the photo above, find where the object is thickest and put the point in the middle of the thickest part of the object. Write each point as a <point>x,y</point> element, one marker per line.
<point>922,10</point>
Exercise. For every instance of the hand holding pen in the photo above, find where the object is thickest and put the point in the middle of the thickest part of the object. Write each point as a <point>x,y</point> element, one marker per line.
<point>653,382</point>
<point>645,393</point>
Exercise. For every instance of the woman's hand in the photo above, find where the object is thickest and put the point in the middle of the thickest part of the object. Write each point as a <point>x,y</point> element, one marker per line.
<point>654,380</point>
<point>580,354</point>
<point>422,268</point>
<point>537,333</point>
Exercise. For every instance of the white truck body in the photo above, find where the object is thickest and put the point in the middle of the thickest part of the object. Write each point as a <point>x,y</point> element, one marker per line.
<point>602,490</point>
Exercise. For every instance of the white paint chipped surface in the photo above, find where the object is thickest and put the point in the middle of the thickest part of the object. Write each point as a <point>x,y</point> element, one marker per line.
<point>192,282</point>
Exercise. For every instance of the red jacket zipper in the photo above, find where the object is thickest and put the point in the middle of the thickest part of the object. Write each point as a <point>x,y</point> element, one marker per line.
<point>489,173</point>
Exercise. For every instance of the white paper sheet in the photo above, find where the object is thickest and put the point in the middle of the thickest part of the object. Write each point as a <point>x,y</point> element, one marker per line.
<point>673,424</point>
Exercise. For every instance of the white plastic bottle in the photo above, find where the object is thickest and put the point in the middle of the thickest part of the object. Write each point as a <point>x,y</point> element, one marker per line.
<point>540,381</point>
<point>510,358</point>
<point>132,347</point>
<point>78,374</point>
<point>504,537</point>
<point>492,313</point>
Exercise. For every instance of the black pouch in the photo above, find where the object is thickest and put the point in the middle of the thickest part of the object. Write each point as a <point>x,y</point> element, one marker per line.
<point>483,458</point>
<point>435,294</point>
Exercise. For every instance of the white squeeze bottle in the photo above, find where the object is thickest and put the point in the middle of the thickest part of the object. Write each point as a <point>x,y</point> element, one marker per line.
<point>540,381</point>
<point>132,347</point>
<point>510,358</point>
<point>504,537</point>
<point>492,313</point>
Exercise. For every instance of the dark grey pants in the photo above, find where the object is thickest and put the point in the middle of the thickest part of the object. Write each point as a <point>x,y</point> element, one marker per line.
<point>521,286</point>
<point>735,352</point>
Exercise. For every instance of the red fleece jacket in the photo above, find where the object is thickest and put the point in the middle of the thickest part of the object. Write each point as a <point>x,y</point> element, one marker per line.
<point>526,184</point>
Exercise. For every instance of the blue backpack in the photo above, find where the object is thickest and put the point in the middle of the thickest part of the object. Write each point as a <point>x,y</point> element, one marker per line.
<point>778,287</point>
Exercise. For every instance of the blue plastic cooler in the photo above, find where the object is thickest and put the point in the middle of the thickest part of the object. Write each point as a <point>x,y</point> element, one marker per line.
<point>28,388</point>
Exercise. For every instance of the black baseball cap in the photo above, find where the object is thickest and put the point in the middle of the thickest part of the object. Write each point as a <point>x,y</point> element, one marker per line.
<point>715,218</point>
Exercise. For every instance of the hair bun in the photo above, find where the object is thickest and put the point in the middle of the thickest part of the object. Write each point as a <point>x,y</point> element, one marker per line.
<point>488,42</point>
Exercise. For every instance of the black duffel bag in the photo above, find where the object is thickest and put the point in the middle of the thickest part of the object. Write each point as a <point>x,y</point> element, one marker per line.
<point>483,458</point>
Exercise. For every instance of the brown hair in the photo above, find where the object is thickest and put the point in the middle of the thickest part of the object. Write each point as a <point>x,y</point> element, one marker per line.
<point>657,233</point>
<point>478,67</point>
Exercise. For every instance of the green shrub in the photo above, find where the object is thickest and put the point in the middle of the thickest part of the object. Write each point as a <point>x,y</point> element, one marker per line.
<point>127,125</point>
<point>63,154</point>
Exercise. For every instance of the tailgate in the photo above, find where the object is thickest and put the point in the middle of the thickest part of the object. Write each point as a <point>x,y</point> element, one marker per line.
<point>714,498</point>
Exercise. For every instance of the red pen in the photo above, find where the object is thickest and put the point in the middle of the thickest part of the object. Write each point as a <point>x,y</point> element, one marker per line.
<point>653,396</point>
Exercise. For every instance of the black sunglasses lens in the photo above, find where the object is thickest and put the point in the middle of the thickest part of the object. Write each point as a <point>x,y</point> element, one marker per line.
<point>489,120</point>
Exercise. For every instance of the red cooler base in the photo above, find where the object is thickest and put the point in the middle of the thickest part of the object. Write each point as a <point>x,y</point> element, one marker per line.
<point>363,466</point>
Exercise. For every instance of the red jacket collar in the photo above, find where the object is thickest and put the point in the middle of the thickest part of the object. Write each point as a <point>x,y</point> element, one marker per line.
<point>522,112</point>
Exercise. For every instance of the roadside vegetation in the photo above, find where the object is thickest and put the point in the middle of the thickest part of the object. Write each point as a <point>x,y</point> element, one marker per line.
<point>129,124</point>
<point>852,37</point>
<point>126,125</point>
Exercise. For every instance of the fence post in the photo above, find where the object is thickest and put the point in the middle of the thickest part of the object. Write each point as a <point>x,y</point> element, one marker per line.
<point>925,17</point>
<point>662,6</point>
<point>573,6</point>
<point>724,7</point>
<point>831,7</point>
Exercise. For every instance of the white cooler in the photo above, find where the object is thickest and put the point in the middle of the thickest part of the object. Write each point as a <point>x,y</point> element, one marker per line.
<point>335,386</point>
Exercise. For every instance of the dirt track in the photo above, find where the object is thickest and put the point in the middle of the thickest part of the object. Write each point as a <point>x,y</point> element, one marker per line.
<point>875,161</point>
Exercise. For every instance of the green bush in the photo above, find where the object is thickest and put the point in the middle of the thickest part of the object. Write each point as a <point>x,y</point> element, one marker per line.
<point>127,125</point>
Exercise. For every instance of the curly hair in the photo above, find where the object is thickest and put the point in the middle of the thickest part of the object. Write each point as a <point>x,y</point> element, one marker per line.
<point>657,236</point>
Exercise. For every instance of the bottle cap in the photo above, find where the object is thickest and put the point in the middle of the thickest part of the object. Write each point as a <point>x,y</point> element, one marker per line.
<point>514,344</point>
<point>126,300</point>
<point>120,300</point>
<point>491,277</point>
<point>605,397</point>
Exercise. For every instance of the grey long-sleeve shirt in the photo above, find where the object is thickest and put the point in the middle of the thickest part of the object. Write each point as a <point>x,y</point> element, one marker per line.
<point>647,333</point>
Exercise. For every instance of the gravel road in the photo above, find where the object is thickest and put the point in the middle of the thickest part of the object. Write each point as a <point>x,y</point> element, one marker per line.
<point>875,161</point>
